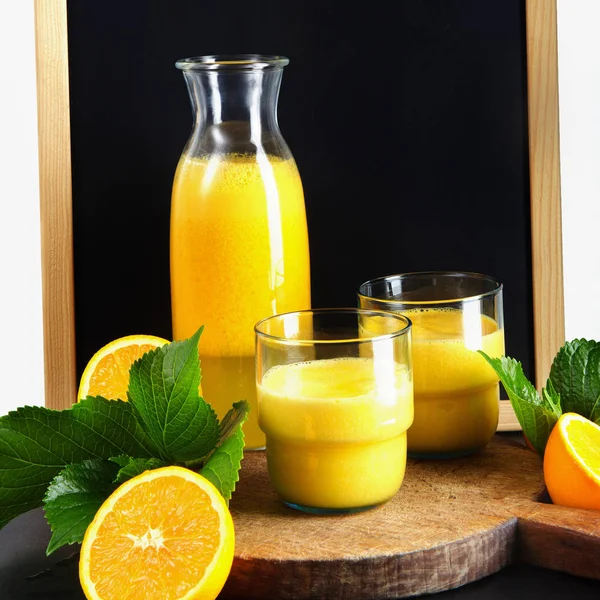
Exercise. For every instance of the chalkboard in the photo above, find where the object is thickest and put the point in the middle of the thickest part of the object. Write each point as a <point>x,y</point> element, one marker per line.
<point>408,121</point>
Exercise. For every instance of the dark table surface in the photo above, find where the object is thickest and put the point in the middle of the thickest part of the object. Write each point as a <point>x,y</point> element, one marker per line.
<point>27,574</point>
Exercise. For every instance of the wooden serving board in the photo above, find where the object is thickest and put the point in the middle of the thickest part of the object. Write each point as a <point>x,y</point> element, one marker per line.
<point>452,522</point>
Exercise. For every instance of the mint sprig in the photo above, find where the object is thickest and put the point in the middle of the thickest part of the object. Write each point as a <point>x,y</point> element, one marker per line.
<point>70,461</point>
<point>572,386</point>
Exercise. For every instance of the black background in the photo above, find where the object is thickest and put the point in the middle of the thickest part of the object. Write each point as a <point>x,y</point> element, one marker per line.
<point>408,121</point>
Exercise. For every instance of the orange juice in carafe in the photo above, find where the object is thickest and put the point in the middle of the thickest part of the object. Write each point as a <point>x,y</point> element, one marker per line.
<point>239,241</point>
<point>239,252</point>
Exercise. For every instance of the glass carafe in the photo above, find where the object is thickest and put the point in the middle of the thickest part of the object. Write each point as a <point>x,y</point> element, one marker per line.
<point>239,241</point>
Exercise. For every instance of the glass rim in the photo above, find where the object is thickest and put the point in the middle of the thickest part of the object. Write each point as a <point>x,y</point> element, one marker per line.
<point>233,62</point>
<point>497,287</point>
<point>407,325</point>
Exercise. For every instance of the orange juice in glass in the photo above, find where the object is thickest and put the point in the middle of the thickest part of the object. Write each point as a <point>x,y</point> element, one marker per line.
<point>335,401</point>
<point>456,392</point>
<point>239,240</point>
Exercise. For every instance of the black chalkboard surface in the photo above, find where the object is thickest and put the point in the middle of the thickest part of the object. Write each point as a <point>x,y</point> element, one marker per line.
<point>408,121</point>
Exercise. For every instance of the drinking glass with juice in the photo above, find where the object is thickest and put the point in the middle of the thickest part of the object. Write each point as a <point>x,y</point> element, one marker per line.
<point>239,241</point>
<point>456,392</point>
<point>335,400</point>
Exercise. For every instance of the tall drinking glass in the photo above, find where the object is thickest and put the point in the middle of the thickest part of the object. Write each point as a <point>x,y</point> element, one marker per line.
<point>456,391</point>
<point>335,399</point>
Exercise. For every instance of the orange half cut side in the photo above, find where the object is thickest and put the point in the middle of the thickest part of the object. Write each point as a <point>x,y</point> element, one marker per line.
<point>572,462</point>
<point>166,534</point>
<point>107,372</point>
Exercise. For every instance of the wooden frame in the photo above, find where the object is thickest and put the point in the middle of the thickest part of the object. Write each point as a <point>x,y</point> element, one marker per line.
<point>56,208</point>
<point>545,199</point>
<point>544,174</point>
<point>56,213</point>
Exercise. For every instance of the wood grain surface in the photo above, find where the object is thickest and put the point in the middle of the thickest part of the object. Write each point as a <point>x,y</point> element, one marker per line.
<point>452,522</point>
<point>560,538</point>
<point>544,174</point>
<point>55,202</point>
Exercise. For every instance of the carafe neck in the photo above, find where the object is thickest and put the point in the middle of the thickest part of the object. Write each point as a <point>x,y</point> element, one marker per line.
<point>219,97</point>
<point>235,107</point>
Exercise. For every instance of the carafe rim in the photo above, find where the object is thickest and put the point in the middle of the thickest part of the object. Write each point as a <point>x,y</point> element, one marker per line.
<point>233,62</point>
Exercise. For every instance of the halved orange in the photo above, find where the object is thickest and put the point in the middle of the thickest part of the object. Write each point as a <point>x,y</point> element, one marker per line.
<point>107,372</point>
<point>166,534</point>
<point>572,462</point>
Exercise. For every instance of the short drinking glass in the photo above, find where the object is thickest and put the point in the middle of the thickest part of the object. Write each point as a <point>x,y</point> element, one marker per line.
<point>456,391</point>
<point>335,399</point>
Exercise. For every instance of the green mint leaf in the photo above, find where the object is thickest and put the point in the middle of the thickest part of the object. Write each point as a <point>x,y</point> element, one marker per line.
<point>36,443</point>
<point>535,417</point>
<point>510,372</point>
<point>223,464</point>
<point>116,421</point>
<point>575,374</point>
<point>163,389</point>
<point>551,399</point>
<point>74,497</point>
<point>537,423</point>
<point>131,467</point>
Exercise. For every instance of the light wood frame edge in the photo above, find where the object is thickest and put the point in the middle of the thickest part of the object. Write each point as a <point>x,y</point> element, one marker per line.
<point>56,218</point>
<point>545,198</point>
<point>544,161</point>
